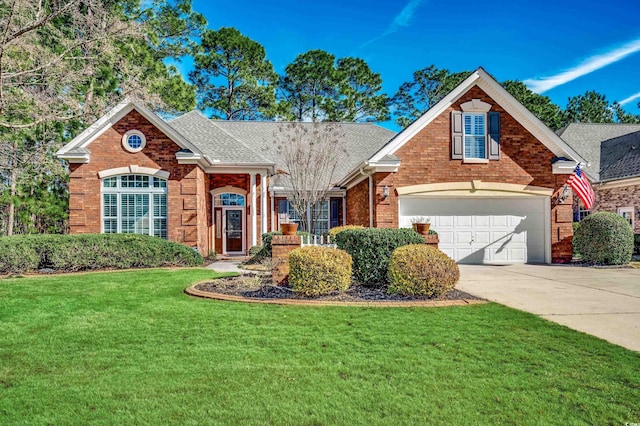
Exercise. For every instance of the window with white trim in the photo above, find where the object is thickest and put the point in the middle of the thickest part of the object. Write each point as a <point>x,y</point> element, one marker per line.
<point>229,199</point>
<point>319,215</point>
<point>627,214</point>
<point>134,141</point>
<point>134,204</point>
<point>475,135</point>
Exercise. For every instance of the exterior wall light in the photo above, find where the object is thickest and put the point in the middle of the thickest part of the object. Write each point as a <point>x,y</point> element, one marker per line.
<point>385,192</point>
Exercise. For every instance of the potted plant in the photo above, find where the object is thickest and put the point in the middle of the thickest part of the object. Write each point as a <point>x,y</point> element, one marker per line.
<point>288,228</point>
<point>421,224</point>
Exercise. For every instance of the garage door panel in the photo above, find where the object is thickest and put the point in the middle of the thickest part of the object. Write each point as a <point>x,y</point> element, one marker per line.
<point>482,237</point>
<point>463,237</point>
<point>499,221</point>
<point>484,230</point>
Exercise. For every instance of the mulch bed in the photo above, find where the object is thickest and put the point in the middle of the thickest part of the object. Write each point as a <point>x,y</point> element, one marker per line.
<point>258,286</point>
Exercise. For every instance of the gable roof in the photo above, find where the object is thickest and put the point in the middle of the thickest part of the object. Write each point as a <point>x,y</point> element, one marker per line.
<point>613,150</point>
<point>216,142</point>
<point>361,140</point>
<point>503,98</point>
<point>78,145</point>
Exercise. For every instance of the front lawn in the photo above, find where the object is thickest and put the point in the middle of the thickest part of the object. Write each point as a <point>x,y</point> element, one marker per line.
<point>131,348</point>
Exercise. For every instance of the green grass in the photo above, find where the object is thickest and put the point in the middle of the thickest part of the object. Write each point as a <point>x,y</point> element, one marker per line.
<point>131,348</point>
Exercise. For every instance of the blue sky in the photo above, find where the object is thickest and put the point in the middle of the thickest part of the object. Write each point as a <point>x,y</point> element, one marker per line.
<point>560,48</point>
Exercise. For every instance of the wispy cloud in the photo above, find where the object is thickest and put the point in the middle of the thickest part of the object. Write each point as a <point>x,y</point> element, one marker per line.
<point>402,19</point>
<point>589,65</point>
<point>630,99</point>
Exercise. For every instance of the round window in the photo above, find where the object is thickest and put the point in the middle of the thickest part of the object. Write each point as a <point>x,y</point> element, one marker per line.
<point>133,141</point>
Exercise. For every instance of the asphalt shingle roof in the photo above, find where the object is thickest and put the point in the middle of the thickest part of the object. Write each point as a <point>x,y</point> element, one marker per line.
<point>613,150</point>
<point>215,142</point>
<point>253,141</point>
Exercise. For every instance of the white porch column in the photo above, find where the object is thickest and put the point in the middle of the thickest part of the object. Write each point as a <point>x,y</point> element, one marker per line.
<point>254,205</point>
<point>273,211</point>
<point>264,217</point>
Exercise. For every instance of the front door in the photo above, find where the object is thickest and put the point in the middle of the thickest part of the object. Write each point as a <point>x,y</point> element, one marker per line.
<point>233,230</point>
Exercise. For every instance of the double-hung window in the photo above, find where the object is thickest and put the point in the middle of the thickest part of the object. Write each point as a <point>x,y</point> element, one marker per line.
<point>475,132</point>
<point>475,135</point>
<point>134,204</point>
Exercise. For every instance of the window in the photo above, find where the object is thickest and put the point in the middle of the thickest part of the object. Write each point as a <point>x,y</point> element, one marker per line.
<point>134,141</point>
<point>627,213</point>
<point>475,132</point>
<point>475,135</point>
<point>134,204</point>
<point>229,199</point>
<point>319,215</point>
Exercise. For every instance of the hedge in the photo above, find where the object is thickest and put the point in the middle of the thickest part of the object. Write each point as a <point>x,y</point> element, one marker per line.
<point>371,249</point>
<point>421,270</point>
<point>636,243</point>
<point>604,238</point>
<point>316,271</point>
<point>84,252</point>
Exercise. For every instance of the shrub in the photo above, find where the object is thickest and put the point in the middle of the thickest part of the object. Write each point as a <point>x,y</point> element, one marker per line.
<point>254,250</point>
<point>636,243</point>
<point>421,270</point>
<point>335,230</point>
<point>604,238</point>
<point>371,249</point>
<point>315,271</point>
<point>71,253</point>
<point>268,236</point>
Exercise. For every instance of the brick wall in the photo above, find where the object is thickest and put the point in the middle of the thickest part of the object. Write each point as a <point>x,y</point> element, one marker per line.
<point>184,206</point>
<point>427,159</point>
<point>281,246</point>
<point>609,200</point>
<point>358,204</point>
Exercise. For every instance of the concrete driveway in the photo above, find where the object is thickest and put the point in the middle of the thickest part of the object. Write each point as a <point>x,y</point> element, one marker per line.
<point>601,302</point>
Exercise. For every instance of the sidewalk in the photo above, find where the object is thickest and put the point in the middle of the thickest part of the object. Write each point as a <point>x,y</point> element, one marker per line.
<point>227,266</point>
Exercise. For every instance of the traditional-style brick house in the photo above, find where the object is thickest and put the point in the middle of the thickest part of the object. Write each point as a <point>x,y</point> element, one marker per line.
<point>478,164</point>
<point>613,153</point>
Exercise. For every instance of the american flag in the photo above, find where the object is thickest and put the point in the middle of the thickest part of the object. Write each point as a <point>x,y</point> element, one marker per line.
<point>581,186</point>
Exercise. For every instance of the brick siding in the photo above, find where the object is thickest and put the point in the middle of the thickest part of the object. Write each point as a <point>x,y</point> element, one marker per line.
<point>609,200</point>
<point>427,159</point>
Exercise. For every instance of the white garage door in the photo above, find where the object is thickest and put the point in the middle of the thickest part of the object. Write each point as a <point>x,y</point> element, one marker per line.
<point>483,230</point>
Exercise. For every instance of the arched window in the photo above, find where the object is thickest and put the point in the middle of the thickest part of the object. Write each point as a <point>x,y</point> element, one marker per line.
<point>228,199</point>
<point>134,204</point>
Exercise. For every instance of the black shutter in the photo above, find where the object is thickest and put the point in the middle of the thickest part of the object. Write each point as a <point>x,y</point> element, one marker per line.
<point>494,135</point>
<point>457,146</point>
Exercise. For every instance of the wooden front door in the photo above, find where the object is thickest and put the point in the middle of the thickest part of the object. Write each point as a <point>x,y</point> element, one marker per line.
<point>233,230</point>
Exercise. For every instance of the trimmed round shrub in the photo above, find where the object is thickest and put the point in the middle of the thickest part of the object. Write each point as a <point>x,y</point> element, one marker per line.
<point>604,238</point>
<point>371,249</point>
<point>335,230</point>
<point>421,270</point>
<point>315,270</point>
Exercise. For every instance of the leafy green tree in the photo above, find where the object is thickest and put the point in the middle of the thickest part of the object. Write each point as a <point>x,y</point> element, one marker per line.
<point>540,105</point>
<point>308,89</point>
<point>428,87</point>
<point>624,117</point>
<point>316,87</point>
<point>360,97</point>
<point>592,107</point>
<point>61,65</point>
<point>233,76</point>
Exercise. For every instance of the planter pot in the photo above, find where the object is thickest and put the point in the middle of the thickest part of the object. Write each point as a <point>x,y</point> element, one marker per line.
<point>423,228</point>
<point>289,228</point>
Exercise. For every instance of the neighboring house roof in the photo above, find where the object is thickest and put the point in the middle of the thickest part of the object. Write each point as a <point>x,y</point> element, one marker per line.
<point>500,95</point>
<point>215,142</point>
<point>361,140</point>
<point>613,150</point>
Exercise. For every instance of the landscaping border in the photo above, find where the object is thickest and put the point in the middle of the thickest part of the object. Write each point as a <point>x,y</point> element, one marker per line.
<point>193,291</point>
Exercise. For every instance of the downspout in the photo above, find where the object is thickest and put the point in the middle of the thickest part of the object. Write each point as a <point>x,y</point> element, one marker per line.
<point>370,174</point>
